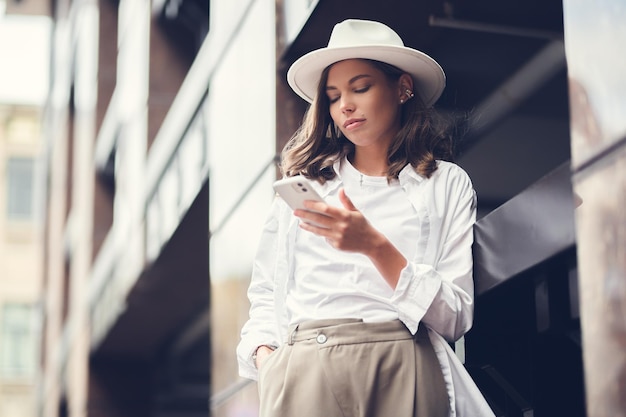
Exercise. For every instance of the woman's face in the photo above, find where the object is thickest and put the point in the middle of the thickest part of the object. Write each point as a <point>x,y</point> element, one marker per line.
<point>364,103</point>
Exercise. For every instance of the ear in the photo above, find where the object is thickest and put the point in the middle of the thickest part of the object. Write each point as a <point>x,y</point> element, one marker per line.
<point>405,82</point>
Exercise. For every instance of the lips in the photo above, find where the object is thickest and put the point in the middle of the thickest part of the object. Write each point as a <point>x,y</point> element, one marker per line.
<point>353,123</point>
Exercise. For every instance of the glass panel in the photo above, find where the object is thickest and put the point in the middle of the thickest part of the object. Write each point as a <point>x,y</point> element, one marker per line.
<point>17,341</point>
<point>20,181</point>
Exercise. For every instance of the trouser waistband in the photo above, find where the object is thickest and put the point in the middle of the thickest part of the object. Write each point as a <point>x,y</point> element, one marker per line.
<point>344,331</point>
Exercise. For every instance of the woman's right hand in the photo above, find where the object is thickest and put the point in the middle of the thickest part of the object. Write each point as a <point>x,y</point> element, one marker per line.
<point>348,230</point>
<point>262,353</point>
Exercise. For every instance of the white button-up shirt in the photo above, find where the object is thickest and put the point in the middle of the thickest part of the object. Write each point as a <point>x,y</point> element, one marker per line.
<point>435,288</point>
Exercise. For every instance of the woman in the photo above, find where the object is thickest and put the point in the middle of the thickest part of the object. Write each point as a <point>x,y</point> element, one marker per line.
<point>353,300</point>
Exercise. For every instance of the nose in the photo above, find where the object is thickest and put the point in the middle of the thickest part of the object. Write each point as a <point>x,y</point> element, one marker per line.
<point>346,105</point>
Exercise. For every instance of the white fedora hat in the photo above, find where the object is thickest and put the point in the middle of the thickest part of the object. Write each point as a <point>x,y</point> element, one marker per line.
<point>370,40</point>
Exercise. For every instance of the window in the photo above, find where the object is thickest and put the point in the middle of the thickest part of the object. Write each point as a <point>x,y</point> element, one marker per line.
<point>20,186</point>
<point>17,341</point>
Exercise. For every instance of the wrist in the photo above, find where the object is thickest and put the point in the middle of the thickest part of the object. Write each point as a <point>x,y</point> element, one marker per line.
<point>265,348</point>
<point>387,259</point>
<point>379,247</point>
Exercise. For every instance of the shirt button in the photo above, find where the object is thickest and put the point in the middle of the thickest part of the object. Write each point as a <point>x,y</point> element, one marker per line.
<point>321,338</point>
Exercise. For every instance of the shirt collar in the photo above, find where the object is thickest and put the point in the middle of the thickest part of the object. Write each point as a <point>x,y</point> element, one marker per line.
<point>407,174</point>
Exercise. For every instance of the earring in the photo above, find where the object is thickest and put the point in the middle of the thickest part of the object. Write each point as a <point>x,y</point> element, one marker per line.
<point>409,95</point>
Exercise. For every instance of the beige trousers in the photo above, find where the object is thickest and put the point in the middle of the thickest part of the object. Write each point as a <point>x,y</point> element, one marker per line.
<point>347,368</point>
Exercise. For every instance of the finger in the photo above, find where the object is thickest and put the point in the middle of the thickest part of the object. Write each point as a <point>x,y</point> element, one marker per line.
<point>315,229</point>
<point>345,200</point>
<point>317,206</point>
<point>317,220</point>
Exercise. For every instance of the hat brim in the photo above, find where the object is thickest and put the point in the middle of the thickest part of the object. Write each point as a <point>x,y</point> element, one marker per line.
<point>429,79</point>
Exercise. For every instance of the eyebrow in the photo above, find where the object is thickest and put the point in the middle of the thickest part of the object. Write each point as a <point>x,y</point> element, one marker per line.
<point>352,80</point>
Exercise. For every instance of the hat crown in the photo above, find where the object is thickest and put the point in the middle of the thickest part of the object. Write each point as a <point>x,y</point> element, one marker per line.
<point>366,39</point>
<point>352,32</point>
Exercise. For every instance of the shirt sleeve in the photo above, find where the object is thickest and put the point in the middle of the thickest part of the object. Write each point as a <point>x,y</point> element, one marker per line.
<point>441,294</point>
<point>261,327</point>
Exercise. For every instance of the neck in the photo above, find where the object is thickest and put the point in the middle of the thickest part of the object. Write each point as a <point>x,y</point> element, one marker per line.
<point>369,165</point>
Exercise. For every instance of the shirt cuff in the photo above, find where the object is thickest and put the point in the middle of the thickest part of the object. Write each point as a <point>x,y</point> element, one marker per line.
<point>416,289</point>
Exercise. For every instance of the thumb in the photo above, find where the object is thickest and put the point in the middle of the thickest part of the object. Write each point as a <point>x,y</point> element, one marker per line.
<point>347,203</point>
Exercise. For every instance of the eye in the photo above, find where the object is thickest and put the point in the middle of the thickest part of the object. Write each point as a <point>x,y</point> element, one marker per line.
<point>334,99</point>
<point>363,89</point>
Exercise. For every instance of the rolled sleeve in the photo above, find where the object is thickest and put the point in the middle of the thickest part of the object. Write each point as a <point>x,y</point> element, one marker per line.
<point>261,327</point>
<point>439,291</point>
<point>417,287</point>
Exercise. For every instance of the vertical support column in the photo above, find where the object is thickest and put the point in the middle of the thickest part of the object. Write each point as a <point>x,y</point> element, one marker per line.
<point>594,39</point>
<point>57,143</point>
<point>132,107</point>
<point>289,107</point>
<point>85,18</point>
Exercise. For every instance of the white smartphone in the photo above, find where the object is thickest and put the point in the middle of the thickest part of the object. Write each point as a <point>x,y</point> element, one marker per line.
<point>295,190</point>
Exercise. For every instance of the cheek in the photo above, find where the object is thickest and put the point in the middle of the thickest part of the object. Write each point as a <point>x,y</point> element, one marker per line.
<point>392,111</point>
<point>334,113</point>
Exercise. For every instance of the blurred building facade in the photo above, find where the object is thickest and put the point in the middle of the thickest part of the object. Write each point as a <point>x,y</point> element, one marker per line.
<point>26,7</point>
<point>21,258</point>
<point>162,126</point>
<point>21,252</point>
<point>134,140</point>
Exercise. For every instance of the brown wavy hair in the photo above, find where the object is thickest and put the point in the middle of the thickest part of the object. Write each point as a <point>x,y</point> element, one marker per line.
<point>424,136</point>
